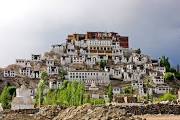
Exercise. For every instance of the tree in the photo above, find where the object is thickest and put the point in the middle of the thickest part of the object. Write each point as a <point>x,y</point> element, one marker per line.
<point>50,98</point>
<point>169,76</point>
<point>138,51</point>
<point>102,64</point>
<point>148,83</point>
<point>177,75</point>
<point>44,76</point>
<point>6,96</point>
<point>40,90</point>
<point>164,62</point>
<point>62,74</point>
<point>41,87</point>
<point>110,92</point>
<point>168,97</point>
<point>71,94</point>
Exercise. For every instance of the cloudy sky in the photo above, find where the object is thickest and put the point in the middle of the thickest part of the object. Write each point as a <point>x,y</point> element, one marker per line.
<point>31,26</point>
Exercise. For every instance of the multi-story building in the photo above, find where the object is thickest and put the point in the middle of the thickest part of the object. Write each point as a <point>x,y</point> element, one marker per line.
<point>98,77</point>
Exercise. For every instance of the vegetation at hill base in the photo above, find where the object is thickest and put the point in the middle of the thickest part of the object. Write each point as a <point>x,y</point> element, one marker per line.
<point>168,97</point>
<point>69,94</point>
<point>6,96</point>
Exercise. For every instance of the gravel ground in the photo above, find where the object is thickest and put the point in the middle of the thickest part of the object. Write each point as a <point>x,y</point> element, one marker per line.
<point>160,117</point>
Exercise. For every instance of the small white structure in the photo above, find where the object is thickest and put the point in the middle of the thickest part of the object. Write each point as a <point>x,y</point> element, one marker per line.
<point>93,87</point>
<point>158,80</point>
<point>161,89</point>
<point>50,62</point>
<point>21,62</point>
<point>58,48</point>
<point>65,60</point>
<point>78,59</point>
<point>117,90</point>
<point>36,57</point>
<point>9,73</point>
<point>26,71</point>
<point>54,84</point>
<point>161,69</point>
<point>52,70</point>
<point>23,99</point>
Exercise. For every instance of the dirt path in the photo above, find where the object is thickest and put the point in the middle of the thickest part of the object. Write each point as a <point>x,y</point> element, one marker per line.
<point>161,117</point>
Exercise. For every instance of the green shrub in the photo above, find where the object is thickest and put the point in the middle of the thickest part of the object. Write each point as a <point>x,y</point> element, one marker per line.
<point>97,101</point>
<point>128,90</point>
<point>169,76</point>
<point>167,97</point>
<point>177,75</point>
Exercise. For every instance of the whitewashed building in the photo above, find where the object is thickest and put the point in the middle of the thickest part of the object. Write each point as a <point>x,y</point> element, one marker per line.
<point>50,62</point>
<point>35,57</point>
<point>9,73</point>
<point>161,89</point>
<point>58,48</point>
<point>99,77</point>
<point>78,59</point>
<point>52,70</point>
<point>66,60</point>
<point>54,84</point>
<point>117,90</point>
<point>158,79</point>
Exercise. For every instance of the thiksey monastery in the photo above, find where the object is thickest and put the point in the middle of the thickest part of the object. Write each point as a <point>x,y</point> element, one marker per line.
<point>81,57</point>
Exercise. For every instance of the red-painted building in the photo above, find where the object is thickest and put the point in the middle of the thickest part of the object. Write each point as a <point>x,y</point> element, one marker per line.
<point>123,40</point>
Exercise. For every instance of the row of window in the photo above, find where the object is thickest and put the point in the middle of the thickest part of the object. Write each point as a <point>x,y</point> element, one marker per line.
<point>163,88</point>
<point>20,61</point>
<point>86,73</point>
<point>77,61</point>
<point>159,80</point>
<point>101,48</point>
<point>138,84</point>
<point>9,74</point>
<point>116,89</point>
<point>100,42</point>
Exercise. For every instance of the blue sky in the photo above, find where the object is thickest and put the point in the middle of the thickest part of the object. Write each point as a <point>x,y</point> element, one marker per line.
<point>31,26</point>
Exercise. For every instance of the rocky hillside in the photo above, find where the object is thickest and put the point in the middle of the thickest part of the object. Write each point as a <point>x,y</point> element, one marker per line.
<point>85,112</point>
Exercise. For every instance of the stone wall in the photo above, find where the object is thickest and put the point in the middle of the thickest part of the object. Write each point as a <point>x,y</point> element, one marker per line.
<point>154,109</point>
